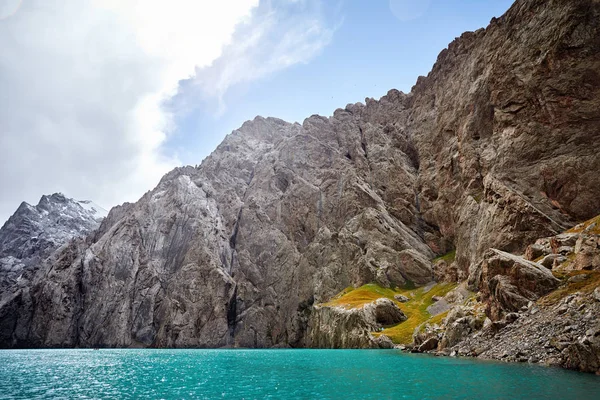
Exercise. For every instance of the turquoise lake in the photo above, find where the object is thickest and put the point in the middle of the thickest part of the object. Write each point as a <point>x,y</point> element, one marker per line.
<point>278,374</point>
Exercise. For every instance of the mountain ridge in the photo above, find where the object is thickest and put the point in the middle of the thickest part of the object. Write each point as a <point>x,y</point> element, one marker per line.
<point>495,148</point>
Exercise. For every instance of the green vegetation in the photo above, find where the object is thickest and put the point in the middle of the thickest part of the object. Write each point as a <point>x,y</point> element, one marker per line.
<point>448,257</point>
<point>354,298</point>
<point>415,309</point>
<point>583,227</point>
<point>585,286</point>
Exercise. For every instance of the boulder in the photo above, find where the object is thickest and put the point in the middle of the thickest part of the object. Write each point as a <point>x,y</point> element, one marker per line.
<point>535,251</point>
<point>387,312</point>
<point>509,282</point>
<point>339,327</point>
<point>428,345</point>
<point>552,260</point>
<point>401,298</point>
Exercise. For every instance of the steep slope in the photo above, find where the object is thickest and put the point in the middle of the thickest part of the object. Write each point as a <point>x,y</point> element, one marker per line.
<point>507,125</point>
<point>32,233</point>
<point>495,148</point>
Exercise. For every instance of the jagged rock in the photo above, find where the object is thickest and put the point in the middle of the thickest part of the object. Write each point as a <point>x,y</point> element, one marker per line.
<point>455,333</point>
<point>587,253</point>
<point>401,298</point>
<point>551,260</point>
<point>32,233</point>
<point>384,342</point>
<point>564,241</point>
<point>509,282</point>
<point>428,345</point>
<point>338,327</point>
<point>495,148</point>
<point>444,272</point>
<point>580,357</point>
<point>387,312</point>
<point>459,323</point>
<point>536,250</point>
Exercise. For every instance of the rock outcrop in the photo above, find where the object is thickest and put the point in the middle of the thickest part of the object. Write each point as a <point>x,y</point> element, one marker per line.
<point>497,147</point>
<point>554,322</point>
<point>340,327</point>
<point>508,282</point>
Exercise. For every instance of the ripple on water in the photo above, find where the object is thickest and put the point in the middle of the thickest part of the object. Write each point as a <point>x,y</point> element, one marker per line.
<point>323,374</point>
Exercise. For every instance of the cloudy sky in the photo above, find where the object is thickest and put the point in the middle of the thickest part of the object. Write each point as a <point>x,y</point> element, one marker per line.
<point>99,98</point>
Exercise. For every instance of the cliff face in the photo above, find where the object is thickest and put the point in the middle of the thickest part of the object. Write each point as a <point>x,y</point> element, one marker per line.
<point>496,147</point>
<point>29,236</point>
<point>507,128</point>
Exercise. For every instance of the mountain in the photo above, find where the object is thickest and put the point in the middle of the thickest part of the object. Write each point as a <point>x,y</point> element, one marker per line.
<point>496,148</point>
<point>32,233</point>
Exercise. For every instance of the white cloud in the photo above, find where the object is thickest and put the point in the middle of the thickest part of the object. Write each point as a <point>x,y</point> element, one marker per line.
<point>82,86</point>
<point>279,34</point>
<point>85,83</point>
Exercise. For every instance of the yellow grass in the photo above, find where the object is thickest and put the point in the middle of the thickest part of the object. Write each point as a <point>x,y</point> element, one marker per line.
<point>354,298</point>
<point>448,257</point>
<point>585,286</point>
<point>415,309</point>
<point>595,230</point>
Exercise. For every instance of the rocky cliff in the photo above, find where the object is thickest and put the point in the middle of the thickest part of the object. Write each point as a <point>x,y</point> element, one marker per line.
<point>32,233</point>
<point>497,147</point>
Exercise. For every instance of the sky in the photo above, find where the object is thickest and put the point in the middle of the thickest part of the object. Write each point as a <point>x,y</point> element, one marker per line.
<point>100,98</point>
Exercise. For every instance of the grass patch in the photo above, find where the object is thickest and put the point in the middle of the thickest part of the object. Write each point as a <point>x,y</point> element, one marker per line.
<point>587,227</point>
<point>448,257</point>
<point>434,320</point>
<point>356,298</point>
<point>416,311</point>
<point>586,286</point>
<point>559,272</point>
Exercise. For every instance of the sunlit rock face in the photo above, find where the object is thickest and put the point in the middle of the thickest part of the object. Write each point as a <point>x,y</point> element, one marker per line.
<point>496,147</point>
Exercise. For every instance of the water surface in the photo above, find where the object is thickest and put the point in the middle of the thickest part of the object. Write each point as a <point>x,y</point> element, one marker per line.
<point>278,374</point>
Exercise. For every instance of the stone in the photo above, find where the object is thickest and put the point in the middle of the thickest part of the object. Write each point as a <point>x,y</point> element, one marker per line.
<point>551,260</point>
<point>338,327</point>
<point>510,282</point>
<point>387,312</point>
<point>428,345</point>
<point>401,298</point>
<point>535,251</point>
<point>578,278</point>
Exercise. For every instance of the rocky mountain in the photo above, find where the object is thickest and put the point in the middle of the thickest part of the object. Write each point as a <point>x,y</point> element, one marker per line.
<point>497,147</point>
<point>32,233</point>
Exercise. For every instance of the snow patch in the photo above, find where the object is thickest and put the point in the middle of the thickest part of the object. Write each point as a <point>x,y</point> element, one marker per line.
<point>93,208</point>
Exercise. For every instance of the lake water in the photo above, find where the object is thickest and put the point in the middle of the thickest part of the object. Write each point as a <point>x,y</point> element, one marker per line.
<point>278,374</point>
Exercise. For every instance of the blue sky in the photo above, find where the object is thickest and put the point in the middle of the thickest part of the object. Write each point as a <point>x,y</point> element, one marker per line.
<point>371,51</point>
<point>100,98</point>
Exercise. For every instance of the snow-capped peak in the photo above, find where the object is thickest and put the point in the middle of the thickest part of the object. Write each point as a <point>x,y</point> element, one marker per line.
<point>94,208</point>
